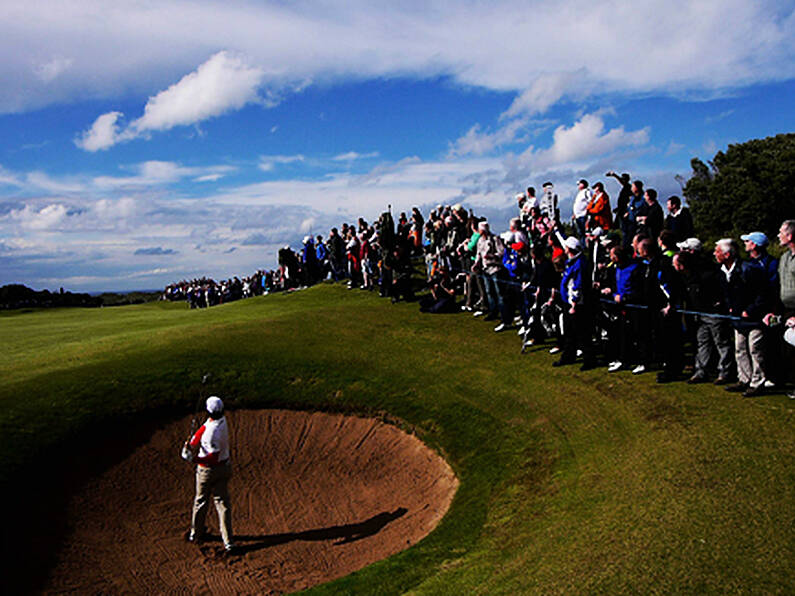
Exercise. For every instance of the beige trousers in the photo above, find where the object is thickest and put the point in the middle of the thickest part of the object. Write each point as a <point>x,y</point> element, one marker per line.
<point>749,352</point>
<point>213,481</point>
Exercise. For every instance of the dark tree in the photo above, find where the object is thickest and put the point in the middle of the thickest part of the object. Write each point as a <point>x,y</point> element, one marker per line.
<point>750,187</point>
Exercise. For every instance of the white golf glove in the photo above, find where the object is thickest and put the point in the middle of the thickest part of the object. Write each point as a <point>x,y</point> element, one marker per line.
<point>187,453</point>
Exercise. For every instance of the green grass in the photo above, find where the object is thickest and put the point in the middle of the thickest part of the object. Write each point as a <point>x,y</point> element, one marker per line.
<point>570,482</point>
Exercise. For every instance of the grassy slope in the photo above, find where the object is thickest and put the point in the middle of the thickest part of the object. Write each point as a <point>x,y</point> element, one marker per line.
<point>570,481</point>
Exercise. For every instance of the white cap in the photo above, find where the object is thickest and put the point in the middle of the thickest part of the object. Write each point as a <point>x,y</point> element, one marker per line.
<point>215,405</point>
<point>572,243</point>
<point>307,239</point>
<point>689,244</point>
<point>596,232</point>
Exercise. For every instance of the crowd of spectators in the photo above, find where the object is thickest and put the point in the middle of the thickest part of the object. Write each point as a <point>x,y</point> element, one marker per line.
<point>204,292</point>
<point>626,287</point>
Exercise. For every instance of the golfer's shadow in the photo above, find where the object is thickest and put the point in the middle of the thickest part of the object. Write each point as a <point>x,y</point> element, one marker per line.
<point>341,534</point>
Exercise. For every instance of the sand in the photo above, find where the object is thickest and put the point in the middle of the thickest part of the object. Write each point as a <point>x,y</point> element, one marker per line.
<point>315,497</point>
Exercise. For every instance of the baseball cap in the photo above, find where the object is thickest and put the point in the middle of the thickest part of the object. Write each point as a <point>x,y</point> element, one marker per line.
<point>596,232</point>
<point>757,238</point>
<point>215,405</point>
<point>572,243</point>
<point>689,244</point>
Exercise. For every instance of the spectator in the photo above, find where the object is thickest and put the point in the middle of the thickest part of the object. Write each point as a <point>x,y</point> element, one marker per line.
<point>678,221</point>
<point>442,295</point>
<point>636,200</point>
<point>336,254</point>
<point>598,209</point>
<point>516,262</point>
<point>712,334</point>
<point>575,299</point>
<point>739,280</point>
<point>785,307</point>
<point>649,215</point>
<point>488,261</point>
<point>549,202</point>
<point>626,293</point>
<point>622,205</point>
<point>580,208</point>
<point>543,285</point>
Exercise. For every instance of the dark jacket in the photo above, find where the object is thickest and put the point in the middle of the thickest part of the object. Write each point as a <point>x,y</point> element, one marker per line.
<point>654,219</point>
<point>742,292</point>
<point>681,225</point>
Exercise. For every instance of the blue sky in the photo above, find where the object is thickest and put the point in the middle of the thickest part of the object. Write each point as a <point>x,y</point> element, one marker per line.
<point>152,142</point>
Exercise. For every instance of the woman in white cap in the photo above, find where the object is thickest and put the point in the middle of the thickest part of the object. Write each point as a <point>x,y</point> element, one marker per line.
<point>209,449</point>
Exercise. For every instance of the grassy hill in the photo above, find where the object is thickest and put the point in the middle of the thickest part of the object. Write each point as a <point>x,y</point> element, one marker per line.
<point>569,481</point>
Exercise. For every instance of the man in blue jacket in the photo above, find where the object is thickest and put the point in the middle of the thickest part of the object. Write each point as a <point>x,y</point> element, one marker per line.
<point>575,294</point>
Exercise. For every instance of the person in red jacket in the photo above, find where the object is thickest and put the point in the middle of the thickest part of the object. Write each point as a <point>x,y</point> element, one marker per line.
<point>598,209</point>
<point>208,448</point>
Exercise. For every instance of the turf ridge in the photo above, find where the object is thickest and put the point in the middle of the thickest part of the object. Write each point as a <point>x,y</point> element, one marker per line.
<point>570,481</point>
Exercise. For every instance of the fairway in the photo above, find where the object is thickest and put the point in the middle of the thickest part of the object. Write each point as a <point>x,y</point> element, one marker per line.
<point>569,481</point>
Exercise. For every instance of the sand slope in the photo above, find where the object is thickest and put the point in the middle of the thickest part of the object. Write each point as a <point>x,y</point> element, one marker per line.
<point>315,497</point>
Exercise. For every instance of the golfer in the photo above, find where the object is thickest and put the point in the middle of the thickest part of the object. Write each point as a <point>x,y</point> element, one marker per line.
<point>209,449</point>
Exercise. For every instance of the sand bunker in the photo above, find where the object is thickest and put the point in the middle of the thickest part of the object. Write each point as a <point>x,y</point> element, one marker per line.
<point>315,497</point>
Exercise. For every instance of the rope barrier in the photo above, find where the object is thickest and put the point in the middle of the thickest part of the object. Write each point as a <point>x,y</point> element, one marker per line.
<point>683,311</point>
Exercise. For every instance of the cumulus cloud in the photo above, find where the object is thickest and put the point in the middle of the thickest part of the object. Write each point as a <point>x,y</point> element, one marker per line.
<point>48,217</point>
<point>476,141</point>
<point>104,133</point>
<point>584,140</point>
<point>223,83</point>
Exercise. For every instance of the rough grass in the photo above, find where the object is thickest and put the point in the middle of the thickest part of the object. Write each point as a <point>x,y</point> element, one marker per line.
<point>570,482</point>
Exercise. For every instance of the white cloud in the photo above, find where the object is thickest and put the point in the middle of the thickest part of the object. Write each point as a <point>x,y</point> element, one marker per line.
<point>43,181</point>
<point>718,117</point>
<point>156,173</point>
<point>583,141</point>
<point>673,148</point>
<point>499,45</point>
<point>479,142</point>
<point>546,90</point>
<point>48,217</point>
<point>9,178</point>
<point>209,178</point>
<point>49,71</point>
<point>223,83</point>
<point>104,133</point>
<point>353,155</point>
<point>268,162</point>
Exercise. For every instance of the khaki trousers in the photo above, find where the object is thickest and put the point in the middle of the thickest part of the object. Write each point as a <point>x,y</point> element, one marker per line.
<point>749,351</point>
<point>213,481</point>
